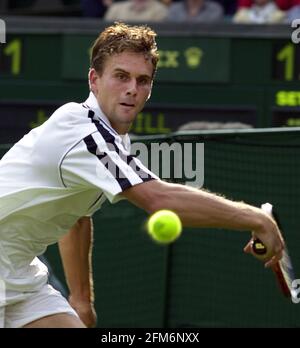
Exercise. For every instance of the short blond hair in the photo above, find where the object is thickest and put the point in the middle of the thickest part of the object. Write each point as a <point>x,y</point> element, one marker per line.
<point>121,37</point>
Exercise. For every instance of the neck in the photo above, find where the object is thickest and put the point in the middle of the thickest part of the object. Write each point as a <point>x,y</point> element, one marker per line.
<point>121,129</point>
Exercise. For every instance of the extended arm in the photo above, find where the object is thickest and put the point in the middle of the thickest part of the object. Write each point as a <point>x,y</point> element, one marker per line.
<point>198,208</point>
<point>75,249</point>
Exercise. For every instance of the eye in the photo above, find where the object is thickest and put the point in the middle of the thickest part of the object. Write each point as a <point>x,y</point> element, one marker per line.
<point>143,81</point>
<point>121,77</point>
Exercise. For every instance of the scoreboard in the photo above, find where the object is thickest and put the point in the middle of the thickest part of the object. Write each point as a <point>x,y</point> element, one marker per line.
<point>232,73</point>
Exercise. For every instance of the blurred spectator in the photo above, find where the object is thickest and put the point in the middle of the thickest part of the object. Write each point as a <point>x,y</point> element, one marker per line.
<point>94,8</point>
<point>195,11</point>
<point>137,11</point>
<point>293,13</point>
<point>282,4</point>
<point>261,11</point>
<point>168,2</point>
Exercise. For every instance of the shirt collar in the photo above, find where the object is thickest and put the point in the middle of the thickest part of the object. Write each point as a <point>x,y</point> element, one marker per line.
<point>92,103</point>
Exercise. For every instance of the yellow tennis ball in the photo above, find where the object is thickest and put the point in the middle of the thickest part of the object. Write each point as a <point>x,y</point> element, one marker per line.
<point>164,226</point>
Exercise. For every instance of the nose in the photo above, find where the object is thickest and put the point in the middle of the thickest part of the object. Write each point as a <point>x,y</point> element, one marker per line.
<point>132,87</point>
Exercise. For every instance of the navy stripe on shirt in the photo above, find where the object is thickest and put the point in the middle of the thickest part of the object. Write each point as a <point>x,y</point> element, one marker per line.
<point>110,139</point>
<point>92,147</point>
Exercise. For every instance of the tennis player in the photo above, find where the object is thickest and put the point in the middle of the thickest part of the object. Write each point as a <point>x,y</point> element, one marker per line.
<point>59,174</point>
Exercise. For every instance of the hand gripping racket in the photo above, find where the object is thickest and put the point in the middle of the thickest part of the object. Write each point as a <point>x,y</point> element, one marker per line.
<point>283,269</point>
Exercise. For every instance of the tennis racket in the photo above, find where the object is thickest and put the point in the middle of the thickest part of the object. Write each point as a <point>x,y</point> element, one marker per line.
<point>283,269</point>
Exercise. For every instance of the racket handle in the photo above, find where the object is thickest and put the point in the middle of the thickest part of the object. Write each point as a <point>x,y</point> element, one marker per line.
<point>280,280</point>
<point>259,249</point>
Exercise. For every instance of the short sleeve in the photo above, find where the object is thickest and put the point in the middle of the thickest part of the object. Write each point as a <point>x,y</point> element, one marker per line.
<point>101,161</point>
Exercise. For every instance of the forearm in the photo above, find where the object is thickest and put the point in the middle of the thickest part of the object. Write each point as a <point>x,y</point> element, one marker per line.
<point>75,249</point>
<point>199,208</point>
<point>196,207</point>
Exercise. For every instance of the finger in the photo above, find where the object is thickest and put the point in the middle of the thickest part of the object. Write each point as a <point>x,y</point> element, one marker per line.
<point>274,260</point>
<point>248,248</point>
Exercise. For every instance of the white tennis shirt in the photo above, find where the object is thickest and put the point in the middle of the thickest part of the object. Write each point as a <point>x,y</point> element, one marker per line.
<point>57,173</point>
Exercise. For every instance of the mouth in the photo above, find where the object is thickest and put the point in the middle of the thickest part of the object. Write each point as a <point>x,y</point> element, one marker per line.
<point>128,105</point>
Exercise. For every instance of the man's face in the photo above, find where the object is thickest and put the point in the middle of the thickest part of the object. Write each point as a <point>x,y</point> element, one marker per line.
<point>123,88</point>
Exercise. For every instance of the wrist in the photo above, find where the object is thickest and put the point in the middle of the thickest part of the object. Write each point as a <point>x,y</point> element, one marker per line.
<point>263,221</point>
<point>254,219</point>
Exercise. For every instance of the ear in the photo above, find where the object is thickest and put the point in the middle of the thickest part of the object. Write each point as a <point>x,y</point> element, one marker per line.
<point>93,76</point>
